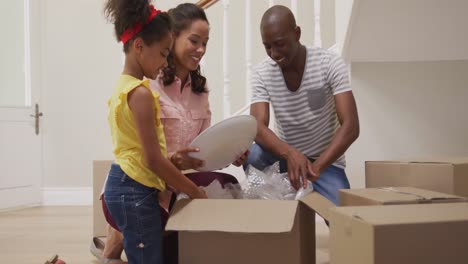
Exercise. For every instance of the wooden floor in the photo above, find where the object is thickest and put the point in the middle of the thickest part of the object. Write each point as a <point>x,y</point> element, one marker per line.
<point>32,235</point>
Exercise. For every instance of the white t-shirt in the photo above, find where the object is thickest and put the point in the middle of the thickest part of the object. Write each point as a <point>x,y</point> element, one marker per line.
<point>305,119</point>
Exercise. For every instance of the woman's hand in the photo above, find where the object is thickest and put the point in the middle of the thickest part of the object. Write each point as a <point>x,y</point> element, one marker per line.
<point>183,161</point>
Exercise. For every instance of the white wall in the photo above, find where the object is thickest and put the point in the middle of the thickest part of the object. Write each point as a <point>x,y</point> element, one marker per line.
<point>342,15</point>
<point>408,110</point>
<point>82,60</point>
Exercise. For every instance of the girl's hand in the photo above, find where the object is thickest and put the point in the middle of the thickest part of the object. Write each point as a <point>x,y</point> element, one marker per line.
<point>198,194</point>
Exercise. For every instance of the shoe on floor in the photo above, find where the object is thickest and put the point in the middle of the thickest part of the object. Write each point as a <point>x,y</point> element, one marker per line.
<point>96,248</point>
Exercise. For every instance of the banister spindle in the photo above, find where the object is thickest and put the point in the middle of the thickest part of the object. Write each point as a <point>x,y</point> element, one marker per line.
<point>227,92</point>
<point>248,49</point>
<point>294,8</point>
<point>318,34</point>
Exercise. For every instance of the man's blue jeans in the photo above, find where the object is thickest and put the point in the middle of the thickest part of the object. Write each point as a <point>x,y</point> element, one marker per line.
<point>330,181</point>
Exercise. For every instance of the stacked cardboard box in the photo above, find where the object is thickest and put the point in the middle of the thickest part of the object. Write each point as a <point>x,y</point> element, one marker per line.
<point>394,195</point>
<point>449,175</point>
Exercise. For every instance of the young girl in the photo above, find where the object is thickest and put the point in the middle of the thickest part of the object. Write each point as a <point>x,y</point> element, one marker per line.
<point>141,168</point>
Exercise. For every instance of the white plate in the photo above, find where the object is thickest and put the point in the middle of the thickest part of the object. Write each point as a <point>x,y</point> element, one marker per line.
<point>221,144</point>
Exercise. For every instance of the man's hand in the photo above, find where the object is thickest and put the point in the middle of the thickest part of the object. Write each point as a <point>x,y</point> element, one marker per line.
<point>183,161</point>
<point>241,160</point>
<point>300,168</point>
<point>316,172</point>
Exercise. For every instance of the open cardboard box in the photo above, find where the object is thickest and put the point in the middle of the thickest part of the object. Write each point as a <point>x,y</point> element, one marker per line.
<point>234,231</point>
<point>247,231</point>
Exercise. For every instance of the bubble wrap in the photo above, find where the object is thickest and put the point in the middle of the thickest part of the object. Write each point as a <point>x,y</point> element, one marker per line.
<point>270,184</point>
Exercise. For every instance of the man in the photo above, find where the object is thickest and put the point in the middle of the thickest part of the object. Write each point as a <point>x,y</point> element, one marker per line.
<point>314,107</point>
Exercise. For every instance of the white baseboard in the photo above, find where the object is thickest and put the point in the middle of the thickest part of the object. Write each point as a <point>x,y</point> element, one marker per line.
<point>57,196</point>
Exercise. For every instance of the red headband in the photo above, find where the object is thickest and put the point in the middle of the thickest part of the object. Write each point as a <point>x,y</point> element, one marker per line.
<point>130,32</point>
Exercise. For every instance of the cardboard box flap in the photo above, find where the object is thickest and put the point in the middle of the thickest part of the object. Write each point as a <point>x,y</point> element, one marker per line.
<point>241,216</point>
<point>319,204</point>
<point>384,161</point>
<point>407,214</point>
<point>400,195</point>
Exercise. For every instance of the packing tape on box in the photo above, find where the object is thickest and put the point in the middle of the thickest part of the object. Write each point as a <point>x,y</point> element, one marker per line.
<point>420,198</point>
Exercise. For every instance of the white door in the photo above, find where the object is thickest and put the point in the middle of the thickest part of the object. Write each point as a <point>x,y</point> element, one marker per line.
<point>20,145</point>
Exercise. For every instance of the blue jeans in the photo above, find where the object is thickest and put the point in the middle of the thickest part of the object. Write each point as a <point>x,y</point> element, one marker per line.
<point>330,181</point>
<point>135,209</point>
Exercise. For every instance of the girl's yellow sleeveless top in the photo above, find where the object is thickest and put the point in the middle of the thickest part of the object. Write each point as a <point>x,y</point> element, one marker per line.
<point>128,150</point>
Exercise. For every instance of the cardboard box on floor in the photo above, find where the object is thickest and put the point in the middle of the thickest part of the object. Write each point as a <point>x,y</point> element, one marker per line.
<point>247,231</point>
<point>403,234</point>
<point>449,175</point>
<point>394,195</point>
<point>100,171</point>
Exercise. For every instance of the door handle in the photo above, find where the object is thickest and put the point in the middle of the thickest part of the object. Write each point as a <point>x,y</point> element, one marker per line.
<point>37,116</point>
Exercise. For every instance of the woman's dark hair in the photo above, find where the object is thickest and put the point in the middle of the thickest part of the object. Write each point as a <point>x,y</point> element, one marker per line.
<point>126,13</point>
<point>182,17</point>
